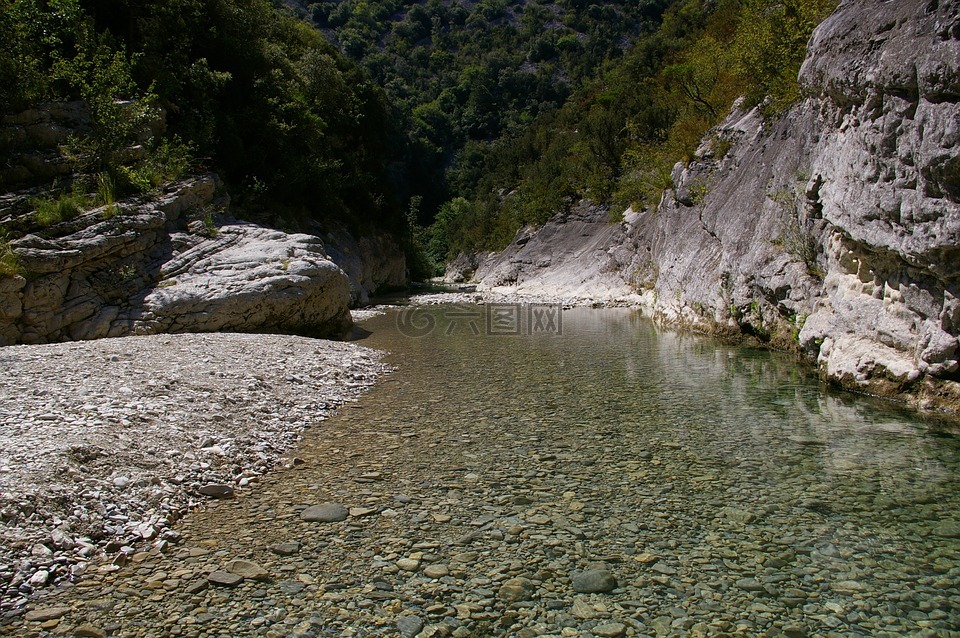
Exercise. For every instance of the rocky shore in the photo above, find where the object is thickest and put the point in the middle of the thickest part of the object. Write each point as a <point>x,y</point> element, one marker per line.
<point>105,444</point>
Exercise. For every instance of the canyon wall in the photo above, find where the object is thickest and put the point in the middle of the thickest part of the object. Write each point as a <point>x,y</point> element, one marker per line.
<point>832,229</point>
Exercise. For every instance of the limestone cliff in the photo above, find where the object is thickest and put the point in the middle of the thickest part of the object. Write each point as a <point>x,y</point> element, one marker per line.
<point>833,229</point>
<point>374,262</point>
<point>177,263</point>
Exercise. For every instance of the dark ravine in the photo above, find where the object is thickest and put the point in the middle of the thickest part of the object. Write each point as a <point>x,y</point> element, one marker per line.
<point>832,230</point>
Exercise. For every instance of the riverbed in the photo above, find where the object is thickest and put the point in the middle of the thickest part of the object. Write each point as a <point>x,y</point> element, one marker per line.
<point>528,471</point>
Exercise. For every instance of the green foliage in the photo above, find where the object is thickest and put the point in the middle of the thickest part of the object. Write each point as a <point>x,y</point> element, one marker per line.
<point>259,93</point>
<point>56,208</point>
<point>442,232</point>
<point>770,45</point>
<point>168,160</point>
<point>9,261</point>
<point>618,138</point>
<point>102,76</point>
<point>422,264</point>
<point>106,190</point>
<point>33,33</point>
<point>796,237</point>
<point>468,76</point>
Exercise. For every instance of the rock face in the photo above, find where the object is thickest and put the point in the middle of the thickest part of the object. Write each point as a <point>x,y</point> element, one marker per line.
<point>31,140</point>
<point>573,254</point>
<point>168,266</point>
<point>833,230</point>
<point>374,263</point>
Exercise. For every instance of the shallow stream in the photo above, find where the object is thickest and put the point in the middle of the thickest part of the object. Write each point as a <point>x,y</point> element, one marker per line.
<point>756,492</point>
<point>583,474</point>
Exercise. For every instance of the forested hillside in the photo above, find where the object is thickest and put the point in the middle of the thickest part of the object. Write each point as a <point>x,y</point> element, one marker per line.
<point>463,75</point>
<point>617,138</point>
<point>244,89</point>
<point>514,111</point>
<point>456,122</point>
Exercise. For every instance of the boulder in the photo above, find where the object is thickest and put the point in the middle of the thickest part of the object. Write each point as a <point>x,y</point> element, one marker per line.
<point>170,266</point>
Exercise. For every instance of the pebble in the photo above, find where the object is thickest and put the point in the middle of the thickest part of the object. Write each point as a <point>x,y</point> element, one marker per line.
<point>227,579</point>
<point>516,589</point>
<point>948,529</point>
<point>325,513</point>
<point>358,512</point>
<point>582,609</point>
<point>436,571</point>
<point>409,626</point>
<point>89,631</point>
<point>408,564</point>
<point>594,581</point>
<point>750,584</point>
<point>285,549</point>
<point>46,613</point>
<point>217,490</point>
<point>612,629</point>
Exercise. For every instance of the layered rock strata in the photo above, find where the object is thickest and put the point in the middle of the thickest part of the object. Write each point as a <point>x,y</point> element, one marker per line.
<point>174,264</point>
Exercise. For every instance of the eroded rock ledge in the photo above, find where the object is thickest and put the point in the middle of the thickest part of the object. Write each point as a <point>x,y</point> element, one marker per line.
<point>833,230</point>
<point>175,264</point>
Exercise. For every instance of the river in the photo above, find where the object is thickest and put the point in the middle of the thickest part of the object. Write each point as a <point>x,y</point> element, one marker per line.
<point>531,473</point>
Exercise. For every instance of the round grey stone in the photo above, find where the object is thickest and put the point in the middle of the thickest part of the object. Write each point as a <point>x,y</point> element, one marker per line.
<point>325,513</point>
<point>594,581</point>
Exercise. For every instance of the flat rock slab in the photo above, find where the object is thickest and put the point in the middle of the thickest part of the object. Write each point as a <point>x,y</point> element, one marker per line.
<point>48,613</point>
<point>325,513</point>
<point>358,512</point>
<point>225,579</point>
<point>247,569</point>
<point>217,490</point>
<point>285,549</point>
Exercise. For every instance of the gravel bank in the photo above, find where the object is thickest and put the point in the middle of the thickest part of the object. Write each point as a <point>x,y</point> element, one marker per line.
<point>104,444</point>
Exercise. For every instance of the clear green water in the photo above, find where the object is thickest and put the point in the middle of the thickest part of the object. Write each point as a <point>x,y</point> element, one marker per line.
<point>730,487</point>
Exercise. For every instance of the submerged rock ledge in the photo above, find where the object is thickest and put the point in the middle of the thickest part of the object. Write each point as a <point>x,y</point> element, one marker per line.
<point>104,444</point>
